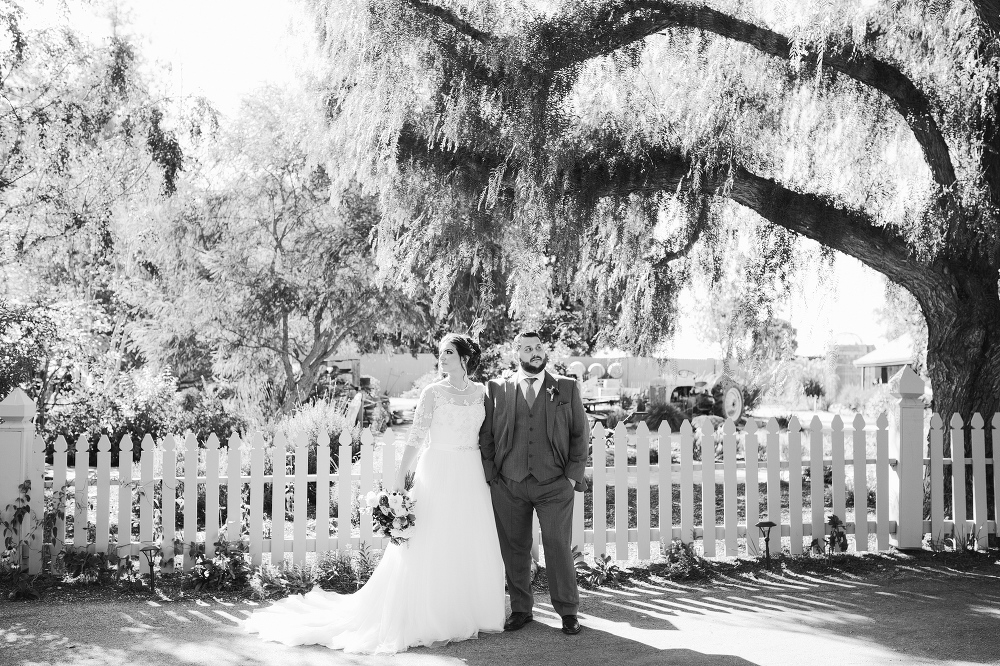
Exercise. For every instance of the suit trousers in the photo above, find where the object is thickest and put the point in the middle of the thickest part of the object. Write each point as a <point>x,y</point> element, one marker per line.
<point>513,504</point>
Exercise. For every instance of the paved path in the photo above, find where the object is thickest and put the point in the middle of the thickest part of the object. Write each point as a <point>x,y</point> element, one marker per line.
<point>928,616</point>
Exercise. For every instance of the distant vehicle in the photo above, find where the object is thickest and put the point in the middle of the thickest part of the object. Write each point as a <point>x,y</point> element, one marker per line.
<point>713,394</point>
<point>342,379</point>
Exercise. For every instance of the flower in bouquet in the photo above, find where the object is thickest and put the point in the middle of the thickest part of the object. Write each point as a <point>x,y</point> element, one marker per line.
<point>392,514</point>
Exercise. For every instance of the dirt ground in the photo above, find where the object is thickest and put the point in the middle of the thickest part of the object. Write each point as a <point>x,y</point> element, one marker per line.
<point>923,615</point>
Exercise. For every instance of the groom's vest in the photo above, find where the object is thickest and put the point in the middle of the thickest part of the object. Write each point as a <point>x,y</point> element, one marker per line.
<point>530,451</point>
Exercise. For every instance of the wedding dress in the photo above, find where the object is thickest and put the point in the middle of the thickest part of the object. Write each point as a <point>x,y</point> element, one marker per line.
<point>445,584</point>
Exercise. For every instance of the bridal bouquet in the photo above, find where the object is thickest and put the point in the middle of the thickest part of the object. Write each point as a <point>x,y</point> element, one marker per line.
<point>392,514</point>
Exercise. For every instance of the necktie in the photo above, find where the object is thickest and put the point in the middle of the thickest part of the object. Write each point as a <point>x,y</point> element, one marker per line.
<point>529,395</point>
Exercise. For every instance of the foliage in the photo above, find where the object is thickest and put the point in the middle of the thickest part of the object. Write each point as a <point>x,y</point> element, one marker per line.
<point>365,561</point>
<point>496,361</point>
<point>312,419</point>
<point>656,414</point>
<point>813,387</point>
<point>127,574</point>
<point>228,569</point>
<point>19,525</point>
<point>204,412</point>
<point>341,571</point>
<point>569,146</point>
<point>837,540</point>
<point>335,571</point>
<point>267,581</point>
<point>81,566</point>
<point>252,259</point>
<point>682,562</point>
<point>603,572</point>
<point>736,317</point>
<point>962,541</point>
<point>24,332</point>
<point>879,401</point>
<point>298,579</point>
<point>84,140</point>
<point>139,403</point>
<point>613,417</point>
<point>901,315</point>
<point>959,542</point>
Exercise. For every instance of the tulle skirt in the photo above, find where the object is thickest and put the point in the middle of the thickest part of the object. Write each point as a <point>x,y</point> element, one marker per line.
<point>446,584</point>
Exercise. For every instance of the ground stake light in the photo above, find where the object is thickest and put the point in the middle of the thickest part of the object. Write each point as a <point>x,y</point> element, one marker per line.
<point>765,531</point>
<point>150,552</point>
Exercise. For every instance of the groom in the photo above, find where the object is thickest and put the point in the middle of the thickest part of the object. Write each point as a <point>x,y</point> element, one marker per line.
<point>534,444</point>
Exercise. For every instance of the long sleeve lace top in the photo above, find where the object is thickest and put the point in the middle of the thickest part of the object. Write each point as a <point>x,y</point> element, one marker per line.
<point>447,418</point>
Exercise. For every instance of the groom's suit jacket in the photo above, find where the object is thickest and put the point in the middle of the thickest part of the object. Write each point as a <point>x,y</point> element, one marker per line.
<point>566,425</point>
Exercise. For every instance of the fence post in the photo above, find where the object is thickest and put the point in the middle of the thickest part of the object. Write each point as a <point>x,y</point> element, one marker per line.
<point>906,485</point>
<point>17,437</point>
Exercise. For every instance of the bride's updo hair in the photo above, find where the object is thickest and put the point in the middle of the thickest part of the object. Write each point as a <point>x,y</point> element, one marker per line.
<point>467,348</point>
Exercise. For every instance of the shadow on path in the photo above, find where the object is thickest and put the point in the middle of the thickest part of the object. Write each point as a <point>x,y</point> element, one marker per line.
<point>928,617</point>
<point>184,634</point>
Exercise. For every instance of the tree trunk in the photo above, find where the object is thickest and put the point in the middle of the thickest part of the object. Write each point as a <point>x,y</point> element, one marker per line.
<point>963,353</point>
<point>298,388</point>
<point>963,362</point>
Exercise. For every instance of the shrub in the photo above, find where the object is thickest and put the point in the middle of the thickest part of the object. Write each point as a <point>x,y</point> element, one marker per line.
<point>682,562</point>
<point>614,417</point>
<point>752,395</point>
<point>345,571</point>
<point>335,571</point>
<point>24,334</point>
<point>657,414</point>
<point>79,566</point>
<point>603,572</point>
<point>813,388</point>
<point>310,420</point>
<point>138,403</point>
<point>204,413</point>
<point>229,569</point>
<point>267,581</point>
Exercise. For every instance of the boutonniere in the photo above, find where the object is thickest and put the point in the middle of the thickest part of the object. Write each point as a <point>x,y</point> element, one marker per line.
<point>553,392</point>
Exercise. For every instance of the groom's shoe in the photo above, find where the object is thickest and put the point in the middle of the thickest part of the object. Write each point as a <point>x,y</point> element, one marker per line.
<point>571,625</point>
<point>516,621</point>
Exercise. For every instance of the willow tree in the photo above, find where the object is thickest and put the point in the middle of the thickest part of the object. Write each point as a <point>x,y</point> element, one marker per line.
<point>82,136</point>
<point>603,145</point>
<point>249,262</point>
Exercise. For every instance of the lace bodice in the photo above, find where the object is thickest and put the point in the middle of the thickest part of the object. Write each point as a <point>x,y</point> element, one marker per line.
<point>446,419</point>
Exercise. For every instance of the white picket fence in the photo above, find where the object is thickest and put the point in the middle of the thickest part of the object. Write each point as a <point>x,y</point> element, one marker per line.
<point>889,461</point>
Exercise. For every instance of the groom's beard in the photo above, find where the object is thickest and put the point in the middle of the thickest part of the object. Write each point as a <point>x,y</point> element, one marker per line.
<point>535,365</point>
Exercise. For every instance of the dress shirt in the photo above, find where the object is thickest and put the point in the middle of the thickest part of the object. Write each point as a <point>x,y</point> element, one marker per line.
<point>521,378</point>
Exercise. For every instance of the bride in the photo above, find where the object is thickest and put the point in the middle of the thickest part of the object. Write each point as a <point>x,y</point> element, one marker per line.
<point>446,583</point>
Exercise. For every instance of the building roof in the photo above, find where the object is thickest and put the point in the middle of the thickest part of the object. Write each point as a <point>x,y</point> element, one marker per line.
<point>894,352</point>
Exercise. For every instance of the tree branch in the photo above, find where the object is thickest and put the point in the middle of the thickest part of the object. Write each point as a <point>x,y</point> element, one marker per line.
<point>568,46</point>
<point>989,14</point>
<point>592,175</point>
<point>700,226</point>
<point>451,18</point>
